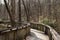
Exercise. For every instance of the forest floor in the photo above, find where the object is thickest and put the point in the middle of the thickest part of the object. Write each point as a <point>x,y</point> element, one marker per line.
<point>37,35</point>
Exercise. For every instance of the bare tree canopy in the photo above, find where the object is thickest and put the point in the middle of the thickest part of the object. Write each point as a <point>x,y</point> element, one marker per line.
<point>43,11</point>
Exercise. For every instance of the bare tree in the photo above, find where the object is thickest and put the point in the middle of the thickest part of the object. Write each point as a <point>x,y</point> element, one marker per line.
<point>25,8</point>
<point>10,15</point>
<point>19,11</point>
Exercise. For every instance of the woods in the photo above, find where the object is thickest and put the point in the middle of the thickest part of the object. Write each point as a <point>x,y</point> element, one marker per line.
<point>43,11</point>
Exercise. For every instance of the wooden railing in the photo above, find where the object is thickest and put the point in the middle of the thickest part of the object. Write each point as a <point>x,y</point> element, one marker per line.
<point>53,35</point>
<point>15,33</point>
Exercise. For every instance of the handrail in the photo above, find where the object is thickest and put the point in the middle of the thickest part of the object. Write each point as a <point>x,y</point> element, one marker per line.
<point>13,28</point>
<point>53,35</point>
<point>48,30</point>
<point>20,31</point>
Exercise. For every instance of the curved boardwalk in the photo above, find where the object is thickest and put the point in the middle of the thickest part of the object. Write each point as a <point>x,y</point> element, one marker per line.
<point>37,35</point>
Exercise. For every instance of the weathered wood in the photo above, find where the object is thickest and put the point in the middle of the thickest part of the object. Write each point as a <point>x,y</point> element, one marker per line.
<point>53,35</point>
<point>16,33</point>
<point>46,30</point>
<point>37,35</point>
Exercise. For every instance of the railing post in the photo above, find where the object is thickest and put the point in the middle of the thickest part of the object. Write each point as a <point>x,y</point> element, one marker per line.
<point>50,35</point>
<point>37,26</point>
<point>46,30</point>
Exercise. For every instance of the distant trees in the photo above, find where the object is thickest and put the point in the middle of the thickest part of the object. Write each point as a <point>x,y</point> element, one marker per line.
<point>26,10</point>
<point>33,10</point>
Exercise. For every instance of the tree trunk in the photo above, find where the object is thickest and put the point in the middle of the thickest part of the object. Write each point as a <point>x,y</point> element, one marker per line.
<point>19,11</point>
<point>10,15</point>
<point>26,11</point>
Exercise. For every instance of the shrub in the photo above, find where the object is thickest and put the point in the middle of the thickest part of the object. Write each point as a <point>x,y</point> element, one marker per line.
<point>51,23</point>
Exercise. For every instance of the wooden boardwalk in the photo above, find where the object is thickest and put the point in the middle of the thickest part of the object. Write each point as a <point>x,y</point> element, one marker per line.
<point>37,35</point>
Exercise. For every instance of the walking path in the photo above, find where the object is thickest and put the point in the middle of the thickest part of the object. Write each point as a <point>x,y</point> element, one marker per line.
<point>37,35</point>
